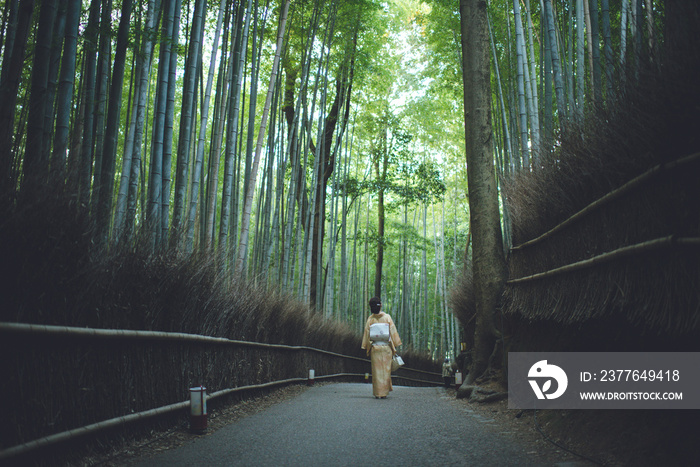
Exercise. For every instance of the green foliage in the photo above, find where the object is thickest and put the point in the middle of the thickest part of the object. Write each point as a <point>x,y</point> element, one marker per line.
<point>410,235</point>
<point>404,112</point>
<point>421,184</point>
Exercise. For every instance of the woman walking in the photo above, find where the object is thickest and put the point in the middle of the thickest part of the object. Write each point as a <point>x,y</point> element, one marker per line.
<point>380,342</point>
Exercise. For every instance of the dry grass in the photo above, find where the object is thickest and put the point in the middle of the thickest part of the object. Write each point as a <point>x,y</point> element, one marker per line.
<point>654,121</point>
<point>56,275</point>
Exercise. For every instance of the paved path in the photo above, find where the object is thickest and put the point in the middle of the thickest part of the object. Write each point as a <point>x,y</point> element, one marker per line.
<point>344,425</point>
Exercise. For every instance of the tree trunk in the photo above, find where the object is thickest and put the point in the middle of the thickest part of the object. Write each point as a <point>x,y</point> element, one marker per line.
<point>381,165</point>
<point>59,32</point>
<point>488,264</point>
<point>65,87</point>
<point>109,154</point>
<point>208,214</point>
<point>187,111</point>
<point>379,263</point>
<point>199,157</point>
<point>535,129</point>
<point>169,125</point>
<point>580,60</point>
<point>607,46</point>
<point>155,184</point>
<point>253,99</point>
<point>556,63</point>
<point>548,126</point>
<point>239,44</point>
<point>506,128</point>
<point>247,207</point>
<point>595,59</point>
<point>12,65</point>
<point>624,9</point>
<point>521,68</point>
<point>101,86</point>
<point>132,153</point>
<point>87,148</point>
<point>328,154</point>
<point>35,160</point>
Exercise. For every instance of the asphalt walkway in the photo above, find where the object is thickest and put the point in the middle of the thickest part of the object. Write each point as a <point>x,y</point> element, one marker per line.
<point>344,425</point>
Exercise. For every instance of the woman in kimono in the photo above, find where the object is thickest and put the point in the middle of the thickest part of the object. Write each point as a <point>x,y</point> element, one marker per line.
<point>380,353</point>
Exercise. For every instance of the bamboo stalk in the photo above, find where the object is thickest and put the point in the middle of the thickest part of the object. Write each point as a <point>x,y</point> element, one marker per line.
<point>611,196</point>
<point>609,256</point>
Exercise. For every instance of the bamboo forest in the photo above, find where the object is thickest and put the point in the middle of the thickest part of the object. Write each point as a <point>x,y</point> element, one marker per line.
<point>311,147</point>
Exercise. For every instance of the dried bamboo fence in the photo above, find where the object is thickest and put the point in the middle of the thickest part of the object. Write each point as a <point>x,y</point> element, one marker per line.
<point>627,187</point>
<point>631,255</point>
<point>62,382</point>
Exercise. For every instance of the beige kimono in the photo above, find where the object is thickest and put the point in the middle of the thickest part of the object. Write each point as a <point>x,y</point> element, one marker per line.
<point>380,354</point>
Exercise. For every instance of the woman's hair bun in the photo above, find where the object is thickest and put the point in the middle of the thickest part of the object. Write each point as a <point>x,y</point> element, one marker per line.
<point>375,304</point>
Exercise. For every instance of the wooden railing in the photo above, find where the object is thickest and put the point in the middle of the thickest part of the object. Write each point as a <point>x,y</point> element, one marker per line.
<point>76,335</point>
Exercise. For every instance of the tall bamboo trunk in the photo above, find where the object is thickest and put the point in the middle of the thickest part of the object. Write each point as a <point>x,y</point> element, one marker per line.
<point>131,159</point>
<point>216,141</point>
<point>507,144</point>
<point>534,109</point>
<point>169,125</point>
<point>607,46</point>
<point>65,88</point>
<point>106,187</point>
<point>12,65</point>
<point>521,68</point>
<point>381,166</point>
<point>155,184</point>
<point>556,63</point>
<point>187,111</point>
<point>624,10</point>
<point>89,91</point>
<point>580,60</point>
<point>59,30</point>
<point>247,208</point>
<point>548,86</point>
<point>595,52</point>
<point>199,157</point>
<point>239,44</point>
<point>35,168</point>
<point>489,263</point>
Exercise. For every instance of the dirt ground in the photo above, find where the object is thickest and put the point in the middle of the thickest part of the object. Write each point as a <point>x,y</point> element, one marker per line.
<point>611,438</point>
